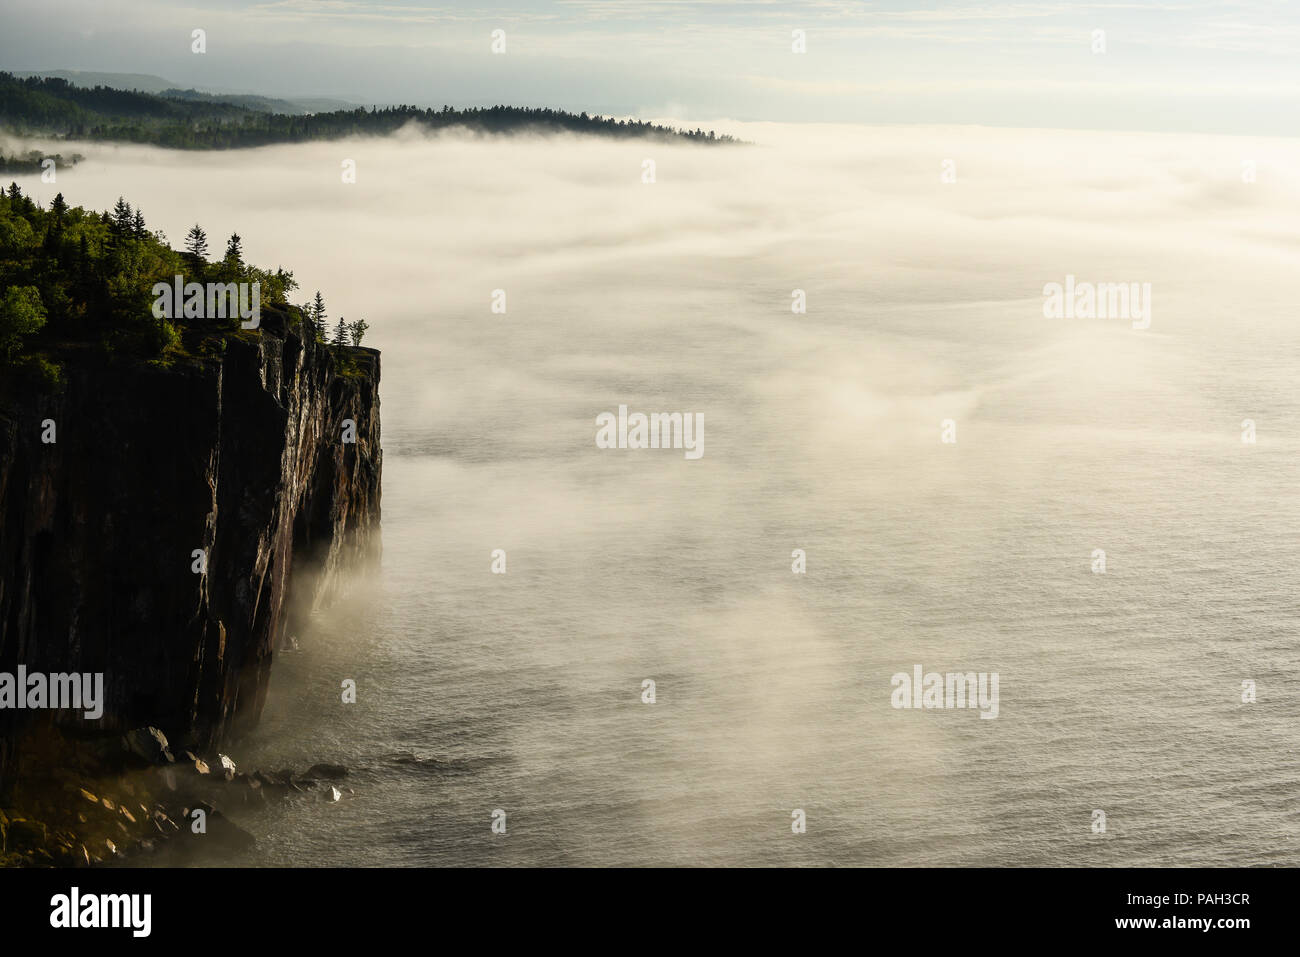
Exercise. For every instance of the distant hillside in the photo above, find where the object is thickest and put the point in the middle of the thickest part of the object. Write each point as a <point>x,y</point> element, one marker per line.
<point>192,120</point>
<point>148,83</point>
<point>264,104</point>
<point>144,82</point>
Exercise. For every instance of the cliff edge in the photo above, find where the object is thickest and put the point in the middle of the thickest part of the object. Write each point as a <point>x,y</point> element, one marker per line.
<point>152,515</point>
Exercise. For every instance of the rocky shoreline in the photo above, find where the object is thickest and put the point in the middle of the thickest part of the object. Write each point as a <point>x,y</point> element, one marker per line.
<point>132,800</point>
<point>161,545</point>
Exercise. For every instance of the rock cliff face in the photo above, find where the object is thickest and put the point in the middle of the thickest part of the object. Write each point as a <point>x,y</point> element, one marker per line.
<point>242,457</point>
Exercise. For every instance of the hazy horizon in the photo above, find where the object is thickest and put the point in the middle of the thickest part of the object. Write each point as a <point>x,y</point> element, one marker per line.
<point>1222,66</point>
<point>911,484</point>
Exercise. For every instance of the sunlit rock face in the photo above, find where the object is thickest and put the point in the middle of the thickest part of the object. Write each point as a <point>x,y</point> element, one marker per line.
<point>155,538</point>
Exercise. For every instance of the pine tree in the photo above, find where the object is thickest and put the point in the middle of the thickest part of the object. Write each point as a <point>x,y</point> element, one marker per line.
<point>59,210</point>
<point>358,331</point>
<point>318,316</point>
<point>234,251</point>
<point>138,228</point>
<point>341,333</point>
<point>196,244</point>
<point>122,217</point>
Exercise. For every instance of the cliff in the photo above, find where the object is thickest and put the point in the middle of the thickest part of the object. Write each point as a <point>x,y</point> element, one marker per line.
<point>240,455</point>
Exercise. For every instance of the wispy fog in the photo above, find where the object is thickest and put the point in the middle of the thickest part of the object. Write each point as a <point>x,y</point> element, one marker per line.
<point>822,432</point>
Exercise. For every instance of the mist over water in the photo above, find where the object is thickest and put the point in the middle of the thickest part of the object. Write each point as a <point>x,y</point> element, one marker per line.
<point>1119,691</point>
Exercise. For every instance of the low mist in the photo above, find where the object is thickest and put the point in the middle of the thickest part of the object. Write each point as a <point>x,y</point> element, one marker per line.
<point>922,255</point>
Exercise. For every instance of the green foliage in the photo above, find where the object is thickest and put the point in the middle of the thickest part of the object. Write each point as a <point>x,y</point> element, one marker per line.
<point>75,279</point>
<point>163,335</point>
<point>196,244</point>
<point>16,236</point>
<point>276,286</point>
<point>44,374</point>
<point>33,161</point>
<point>21,314</point>
<point>317,315</point>
<point>345,364</point>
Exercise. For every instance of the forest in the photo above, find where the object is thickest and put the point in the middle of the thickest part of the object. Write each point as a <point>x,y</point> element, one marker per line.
<point>51,105</point>
<point>74,281</point>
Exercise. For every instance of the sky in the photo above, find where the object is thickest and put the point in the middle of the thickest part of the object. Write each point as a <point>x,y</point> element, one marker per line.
<point>1224,66</point>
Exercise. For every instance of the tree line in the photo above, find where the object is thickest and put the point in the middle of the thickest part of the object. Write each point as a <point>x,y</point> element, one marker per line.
<point>48,105</point>
<point>345,333</point>
<point>34,161</point>
<point>72,278</point>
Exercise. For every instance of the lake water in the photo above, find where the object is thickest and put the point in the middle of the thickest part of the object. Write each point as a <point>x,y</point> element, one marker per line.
<point>522,691</point>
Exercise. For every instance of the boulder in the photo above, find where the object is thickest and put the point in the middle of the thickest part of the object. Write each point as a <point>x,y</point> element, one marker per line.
<point>271,779</point>
<point>149,745</point>
<point>331,772</point>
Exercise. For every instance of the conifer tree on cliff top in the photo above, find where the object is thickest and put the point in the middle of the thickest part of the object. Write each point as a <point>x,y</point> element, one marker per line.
<point>196,246</point>
<point>318,316</point>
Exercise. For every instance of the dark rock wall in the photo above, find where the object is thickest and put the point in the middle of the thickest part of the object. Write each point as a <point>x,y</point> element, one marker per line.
<point>243,457</point>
